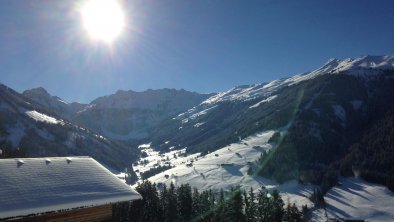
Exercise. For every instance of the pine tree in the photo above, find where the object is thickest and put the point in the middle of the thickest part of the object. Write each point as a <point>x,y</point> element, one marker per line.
<point>277,206</point>
<point>250,206</point>
<point>211,199</point>
<point>296,215</point>
<point>171,212</point>
<point>234,207</point>
<point>304,211</point>
<point>221,196</point>
<point>184,200</point>
<point>287,215</point>
<point>220,208</point>
<point>150,201</point>
<point>247,205</point>
<point>163,202</point>
<point>317,198</point>
<point>196,204</point>
<point>263,207</point>
<point>204,200</point>
<point>136,210</point>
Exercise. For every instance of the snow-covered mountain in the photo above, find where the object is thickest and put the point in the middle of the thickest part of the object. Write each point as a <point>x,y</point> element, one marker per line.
<point>364,67</point>
<point>309,128</point>
<point>125,115</point>
<point>41,96</point>
<point>321,113</point>
<point>128,115</point>
<point>171,99</point>
<point>357,66</point>
<point>291,130</point>
<point>29,129</point>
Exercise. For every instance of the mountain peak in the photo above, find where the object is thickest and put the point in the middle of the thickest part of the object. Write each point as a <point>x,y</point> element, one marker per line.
<point>36,91</point>
<point>356,65</point>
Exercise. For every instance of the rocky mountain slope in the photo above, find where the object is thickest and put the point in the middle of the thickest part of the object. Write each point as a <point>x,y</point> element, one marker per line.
<point>31,130</point>
<point>41,96</point>
<point>130,115</point>
<point>125,115</point>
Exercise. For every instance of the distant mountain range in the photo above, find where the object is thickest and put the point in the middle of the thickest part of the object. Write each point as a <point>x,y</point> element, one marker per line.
<point>125,115</point>
<point>35,123</point>
<point>318,115</point>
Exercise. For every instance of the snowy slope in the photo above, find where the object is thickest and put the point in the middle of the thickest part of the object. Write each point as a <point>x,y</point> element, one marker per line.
<point>362,66</point>
<point>356,199</point>
<point>225,168</point>
<point>40,117</point>
<point>355,66</point>
<point>28,128</point>
<point>228,166</point>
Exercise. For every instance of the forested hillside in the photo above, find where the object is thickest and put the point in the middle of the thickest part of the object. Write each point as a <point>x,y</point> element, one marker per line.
<point>372,157</point>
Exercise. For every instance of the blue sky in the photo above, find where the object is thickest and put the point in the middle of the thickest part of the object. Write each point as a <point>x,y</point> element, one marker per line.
<point>198,45</point>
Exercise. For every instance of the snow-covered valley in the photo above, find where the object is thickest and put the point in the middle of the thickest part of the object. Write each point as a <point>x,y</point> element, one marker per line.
<point>293,129</point>
<point>234,166</point>
<point>231,166</point>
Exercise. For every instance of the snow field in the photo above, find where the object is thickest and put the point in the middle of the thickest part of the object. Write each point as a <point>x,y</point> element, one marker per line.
<point>225,168</point>
<point>43,118</point>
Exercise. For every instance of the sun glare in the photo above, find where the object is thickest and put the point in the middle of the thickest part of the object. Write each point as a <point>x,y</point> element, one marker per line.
<point>104,20</point>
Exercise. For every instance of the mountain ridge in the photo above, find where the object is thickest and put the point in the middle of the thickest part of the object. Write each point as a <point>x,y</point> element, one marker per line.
<point>124,115</point>
<point>322,111</point>
<point>323,114</point>
<point>29,129</point>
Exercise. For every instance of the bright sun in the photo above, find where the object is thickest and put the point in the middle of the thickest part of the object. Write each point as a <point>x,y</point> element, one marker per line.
<point>103,19</point>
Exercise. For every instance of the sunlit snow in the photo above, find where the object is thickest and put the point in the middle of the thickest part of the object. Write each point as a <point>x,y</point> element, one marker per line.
<point>264,101</point>
<point>43,118</point>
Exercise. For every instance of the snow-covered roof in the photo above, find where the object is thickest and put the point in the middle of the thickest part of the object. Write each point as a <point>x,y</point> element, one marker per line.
<point>39,185</point>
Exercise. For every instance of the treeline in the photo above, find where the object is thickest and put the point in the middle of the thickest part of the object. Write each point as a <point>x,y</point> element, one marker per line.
<point>11,153</point>
<point>153,171</point>
<point>185,203</point>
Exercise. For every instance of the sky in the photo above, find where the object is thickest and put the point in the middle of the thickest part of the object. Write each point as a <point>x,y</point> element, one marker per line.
<point>198,45</point>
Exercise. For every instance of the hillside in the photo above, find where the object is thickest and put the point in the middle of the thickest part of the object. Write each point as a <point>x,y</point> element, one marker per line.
<point>372,157</point>
<point>319,114</point>
<point>28,129</point>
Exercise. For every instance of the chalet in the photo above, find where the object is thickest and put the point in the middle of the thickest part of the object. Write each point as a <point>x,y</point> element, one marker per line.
<point>59,189</point>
